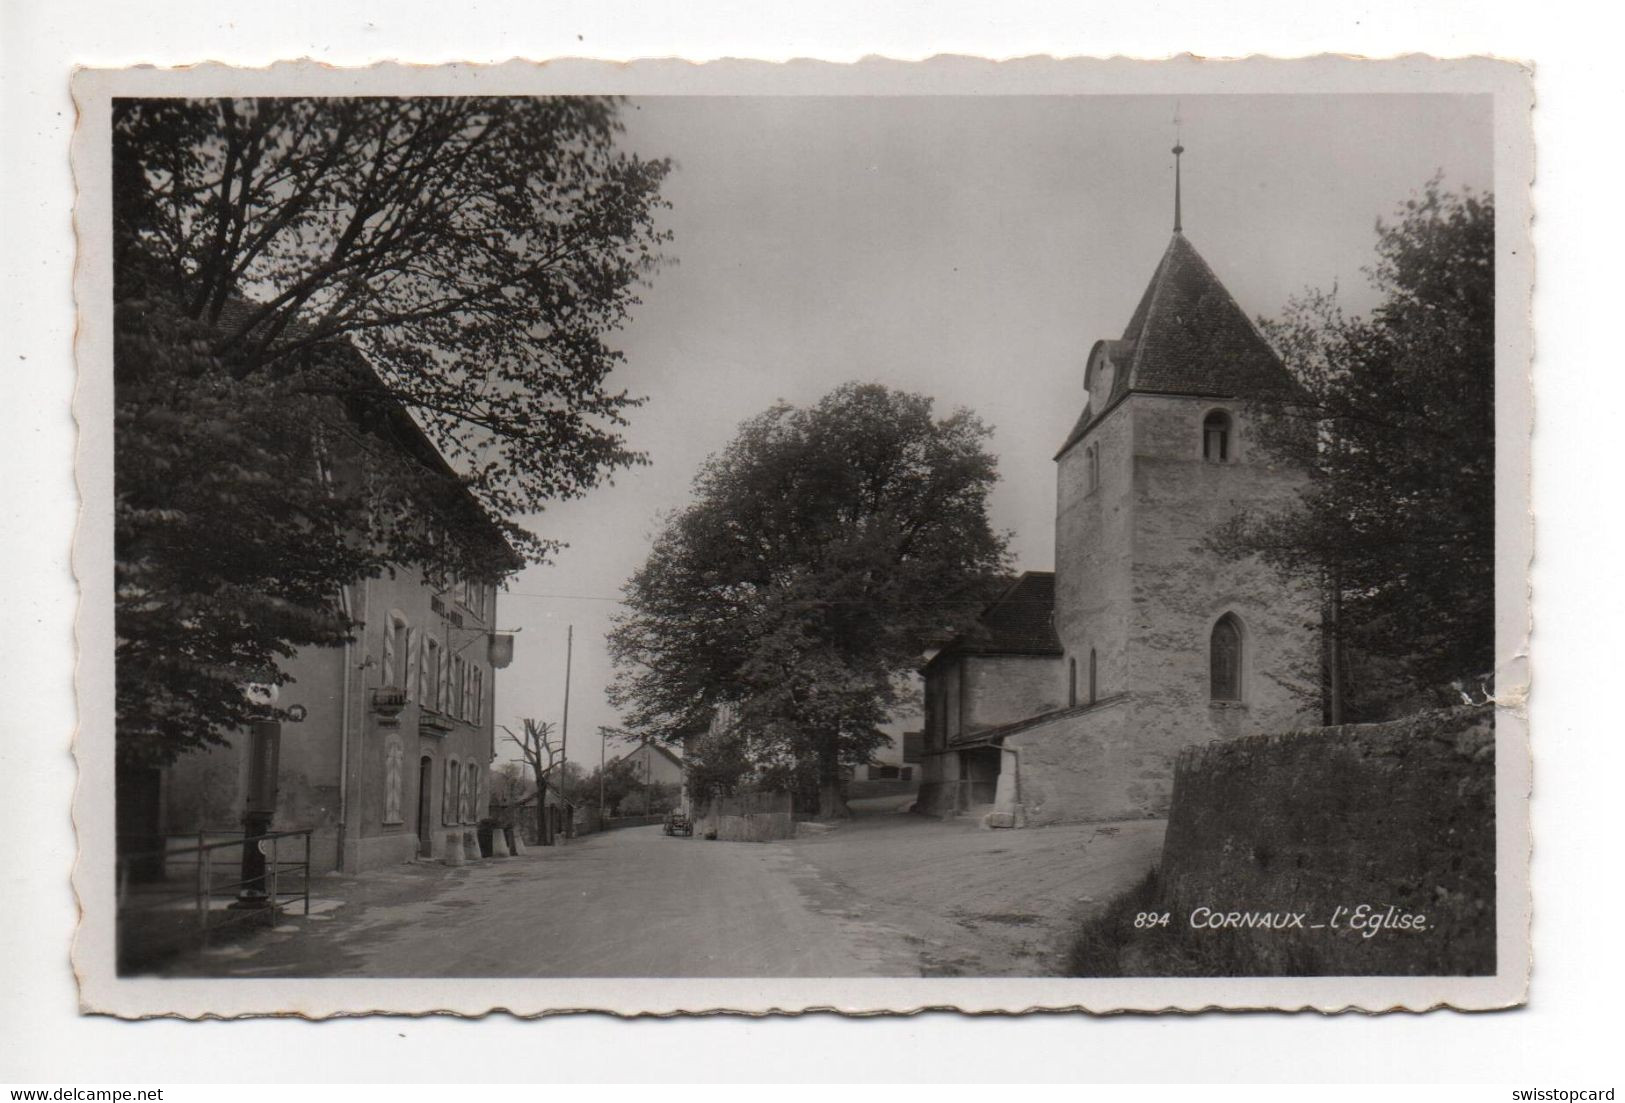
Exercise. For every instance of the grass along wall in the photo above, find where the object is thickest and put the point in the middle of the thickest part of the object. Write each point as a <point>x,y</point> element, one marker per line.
<point>1358,850</point>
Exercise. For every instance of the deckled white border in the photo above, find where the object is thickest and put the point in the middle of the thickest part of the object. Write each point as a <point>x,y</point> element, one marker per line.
<point>101,991</point>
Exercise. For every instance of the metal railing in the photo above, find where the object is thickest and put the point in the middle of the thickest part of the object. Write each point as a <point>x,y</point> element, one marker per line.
<point>156,915</point>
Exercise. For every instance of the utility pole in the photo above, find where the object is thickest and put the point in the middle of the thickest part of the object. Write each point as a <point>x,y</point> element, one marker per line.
<point>603,752</point>
<point>564,728</point>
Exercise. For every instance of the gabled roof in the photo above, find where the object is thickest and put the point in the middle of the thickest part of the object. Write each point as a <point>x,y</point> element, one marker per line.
<point>668,754</point>
<point>1020,621</point>
<point>1188,336</point>
<point>660,749</point>
<point>370,400</point>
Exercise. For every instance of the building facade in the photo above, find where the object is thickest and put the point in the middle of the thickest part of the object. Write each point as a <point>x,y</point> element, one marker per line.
<point>1151,642</point>
<point>389,759</point>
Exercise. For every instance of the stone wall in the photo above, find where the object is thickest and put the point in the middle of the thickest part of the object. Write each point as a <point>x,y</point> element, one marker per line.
<point>939,785</point>
<point>1093,551</point>
<point>1001,689</point>
<point>1180,590</point>
<point>1085,764</point>
<point>747,818</point>
<point>1398,818</point>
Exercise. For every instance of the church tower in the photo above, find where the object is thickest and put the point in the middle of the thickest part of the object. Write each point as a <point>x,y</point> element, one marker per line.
<point>1194,646</point>
<point>1074,692</point>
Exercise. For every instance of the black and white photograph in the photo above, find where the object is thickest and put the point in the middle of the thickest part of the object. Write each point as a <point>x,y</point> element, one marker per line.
<point>657,546</point>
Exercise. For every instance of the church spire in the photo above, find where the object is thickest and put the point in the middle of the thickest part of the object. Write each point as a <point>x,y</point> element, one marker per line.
<point>1179,148</point>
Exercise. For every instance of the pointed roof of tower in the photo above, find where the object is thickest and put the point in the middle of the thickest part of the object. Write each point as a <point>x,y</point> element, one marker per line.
<point>1188,336</point>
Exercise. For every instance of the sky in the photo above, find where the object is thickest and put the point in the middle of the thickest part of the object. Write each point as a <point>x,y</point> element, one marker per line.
<point>968,248</point>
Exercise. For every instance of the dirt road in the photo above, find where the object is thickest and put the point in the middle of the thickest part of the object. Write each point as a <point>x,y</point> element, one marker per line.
<point>885,894</point>
<point>630,903</point>
<point>977,902</point>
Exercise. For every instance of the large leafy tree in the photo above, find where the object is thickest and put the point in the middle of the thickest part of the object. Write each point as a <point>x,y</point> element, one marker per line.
<point>1395,422</point>
<point>825,548</point>
<point>350,335</point>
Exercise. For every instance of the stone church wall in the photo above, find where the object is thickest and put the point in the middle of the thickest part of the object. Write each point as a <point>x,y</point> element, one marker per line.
<point>1180,590</point>
<point>1001,689</point>
<point>939,785</point>
<point>1397,815</point>
<point>1086,764</point>
<point>1093,549</point>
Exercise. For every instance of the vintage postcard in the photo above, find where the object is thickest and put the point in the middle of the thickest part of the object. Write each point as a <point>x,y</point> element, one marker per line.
<point>663,538</point>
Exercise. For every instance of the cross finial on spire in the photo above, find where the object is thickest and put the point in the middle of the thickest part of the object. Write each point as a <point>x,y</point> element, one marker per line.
<point>1179,148</point>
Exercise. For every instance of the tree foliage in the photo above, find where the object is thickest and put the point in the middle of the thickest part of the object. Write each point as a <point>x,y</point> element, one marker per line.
<point>825,548</point>
<point>1395,422</point>
<point>352,335</point>
<point>508,785</point>
<point>625,792</point>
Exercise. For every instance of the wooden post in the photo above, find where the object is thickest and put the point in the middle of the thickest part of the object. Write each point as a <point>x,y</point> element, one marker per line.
<point>205,880</point>
<point>276,907</point>
<point>1335,680</point>
<point>202,882</point>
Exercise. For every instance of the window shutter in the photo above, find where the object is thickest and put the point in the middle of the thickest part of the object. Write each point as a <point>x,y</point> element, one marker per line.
<point>389,652</point>
<point>409,663</point>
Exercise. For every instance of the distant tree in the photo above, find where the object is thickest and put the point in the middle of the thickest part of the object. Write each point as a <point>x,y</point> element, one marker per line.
<point>620,781</point>
<point>825,549</point>
<point>1395,423</point>
<point>721,762</point>
<point>301,286</point>
<point>572,776</point>
<point>508,784</point>
<point>544,755</point>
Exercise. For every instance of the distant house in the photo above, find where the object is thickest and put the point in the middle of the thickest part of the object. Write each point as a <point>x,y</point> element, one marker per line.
<point>391,757</point>
<point>654,764</point>
<point>896,760</point>
<point>894,766</point>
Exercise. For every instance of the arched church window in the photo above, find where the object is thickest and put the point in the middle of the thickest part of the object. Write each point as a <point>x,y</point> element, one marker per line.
<point>1225,652</point>
<point>1216,437</point>
<point>1072,682</point>
<point>1092,468</point>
